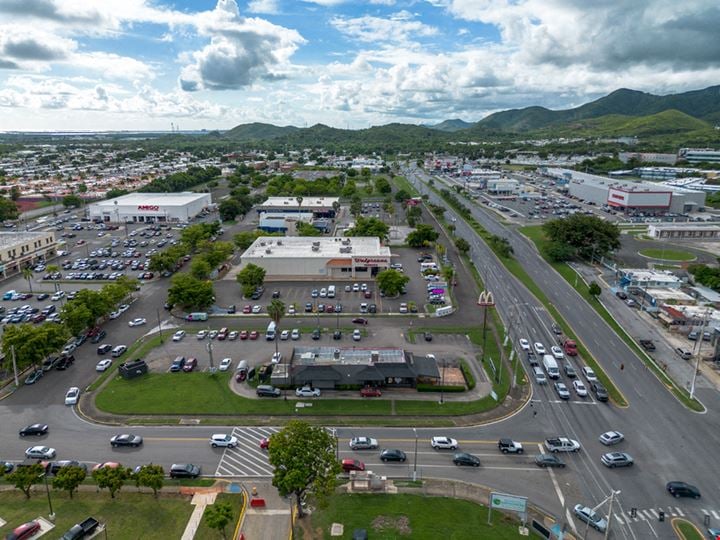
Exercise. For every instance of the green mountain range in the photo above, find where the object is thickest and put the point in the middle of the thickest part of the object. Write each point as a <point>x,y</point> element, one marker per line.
<point>673,118</point>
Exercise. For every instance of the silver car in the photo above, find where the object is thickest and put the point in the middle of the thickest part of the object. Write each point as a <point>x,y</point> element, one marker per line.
<point>589,516</point>
<point>617,459</point>
<point>363,443</point>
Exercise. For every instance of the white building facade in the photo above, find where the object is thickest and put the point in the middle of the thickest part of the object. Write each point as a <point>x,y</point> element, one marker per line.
<point>150,207</point>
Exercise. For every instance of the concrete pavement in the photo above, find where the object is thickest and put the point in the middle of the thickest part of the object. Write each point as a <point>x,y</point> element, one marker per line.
<point>270,519</point>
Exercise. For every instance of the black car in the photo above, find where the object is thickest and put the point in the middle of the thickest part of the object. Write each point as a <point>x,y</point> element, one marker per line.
<point>427,336</point>
<point>34,429</point>
<point>549,460</point>
<point>681,489</point>
<point>104,349</point>
<point>462,458</point>
<point>372,308</point>
<point>600,391</point>
<point>42,296</point>
<point>126,439</point>
<point>55,466</point>
<point>64,362</point>
<point>337,334</point>
<point>184,470</point>
<point>98,337</point>
<point>232,309</point>
<point>6,466</point>
<point>316,334</point>
<point>308,307</point>
<point>276,294</point>
<point>392,454</point>
<point>50,363</point>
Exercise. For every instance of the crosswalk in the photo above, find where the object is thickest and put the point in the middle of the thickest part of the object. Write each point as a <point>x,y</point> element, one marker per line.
<point>645,514</point>
<point>247,459</point>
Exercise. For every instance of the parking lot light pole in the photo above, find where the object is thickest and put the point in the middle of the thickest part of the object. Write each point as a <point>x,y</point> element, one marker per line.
<point>51,516</point>
<point>159,325</point>
<point>415,458</point>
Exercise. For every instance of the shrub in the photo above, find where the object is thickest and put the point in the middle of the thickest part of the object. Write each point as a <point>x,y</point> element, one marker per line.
<point>467,373</point>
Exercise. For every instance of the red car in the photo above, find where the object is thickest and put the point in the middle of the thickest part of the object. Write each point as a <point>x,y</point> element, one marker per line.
<point>329,308</point>
<point>26,530</point>
<point>264,443</point>
<point>254,334</point>
<point>352,465</point>
<point>243,334</point>
<point>241,375</point>
<point>190,364</point>
<point>106,465</point>
<point>360,320</point>
<point>368,294</point>
<point>370,391</point>
<point>247,309</point>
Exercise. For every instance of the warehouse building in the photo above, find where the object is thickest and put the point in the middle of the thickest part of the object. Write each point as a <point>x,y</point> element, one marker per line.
<point>699,155</point>
<point>312,257</point>
<point>684,231</point>
<point>150,207</point>
<point>320,207</point>
<point>21,249</point>
<point>629,197</point>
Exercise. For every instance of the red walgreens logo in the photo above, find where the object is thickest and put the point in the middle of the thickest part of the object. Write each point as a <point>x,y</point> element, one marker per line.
<point>151,207</point>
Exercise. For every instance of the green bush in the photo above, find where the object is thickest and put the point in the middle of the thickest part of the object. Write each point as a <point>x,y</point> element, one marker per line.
<point>423,387</point>
<point>467,373</point>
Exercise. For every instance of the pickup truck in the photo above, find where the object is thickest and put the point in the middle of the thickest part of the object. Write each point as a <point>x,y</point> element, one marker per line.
<point>562,444</point>
<point>81,530</point>
<point>647,344</point>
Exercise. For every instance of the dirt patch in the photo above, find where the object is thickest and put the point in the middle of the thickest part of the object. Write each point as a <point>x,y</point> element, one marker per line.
<point>384,523</point>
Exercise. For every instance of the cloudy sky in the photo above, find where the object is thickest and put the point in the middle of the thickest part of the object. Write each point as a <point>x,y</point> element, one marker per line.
<point>142,64</point>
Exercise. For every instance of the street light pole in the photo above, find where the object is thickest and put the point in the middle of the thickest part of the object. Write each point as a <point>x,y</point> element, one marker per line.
<point>210,354</point>
<point>47,489</point>
<point>415,459</point>
<point>698,346</point>
<point>157,310</point>
<point>442,382</point>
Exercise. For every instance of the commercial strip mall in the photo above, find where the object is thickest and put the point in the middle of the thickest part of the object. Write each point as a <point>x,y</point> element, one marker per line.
<point>150,207</point>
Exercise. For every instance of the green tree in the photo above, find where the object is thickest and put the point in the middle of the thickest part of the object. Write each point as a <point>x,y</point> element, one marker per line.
<point>152,476</point>
<point>116,192</point>
<point>194,234</point>
<point>276,310</point>
<point>451,229</point>
<point>229,209</point>
<point>305,229</point>
<point>72,201</point>
<point>356,206</point>
<point>69,478</point>
<point>500,245</point>
<point>111,478</point>
<point>587,235</point>
<point>98,302</point>
<point>23,478</point>
<point>200,269</point>
<point>76,317</point>
<point>369,227</point>
<point>558,251</point>
<point>303,457</point>
<point>8,209</point>
<point>382,185</point>
<point>33,343</point>
<point>189,292</point>
<point>594,289</point>
<point>462,245</point>
<point>27,273</point>
<point>402,195</point>
<point>82,188</point>
<point>244,240</point>
<point>218,516</point>
<point>252,276</point>
<point>215,253</point>
<point>391,281</point>
<point>422,236</point>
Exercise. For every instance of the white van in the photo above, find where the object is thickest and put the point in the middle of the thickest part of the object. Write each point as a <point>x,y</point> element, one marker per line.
<point>270,332</point>
<point>331,291</point>
<point>539,375</point>
<point>551,366</point>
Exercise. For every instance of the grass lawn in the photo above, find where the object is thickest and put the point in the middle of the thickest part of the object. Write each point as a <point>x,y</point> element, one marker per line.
<point>668,254</point>
<point>687,530</point>
<point>129,516</point>
<point>206,533</point>
<point>402,183</point>
<point>410,516</point>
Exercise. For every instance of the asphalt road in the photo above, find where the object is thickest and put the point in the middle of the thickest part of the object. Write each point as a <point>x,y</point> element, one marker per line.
<point>667,441</point>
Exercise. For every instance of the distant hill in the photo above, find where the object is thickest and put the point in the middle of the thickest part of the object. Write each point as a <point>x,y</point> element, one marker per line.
<point>258,131</point>
<point>454,124</point>
<point>701,104</point>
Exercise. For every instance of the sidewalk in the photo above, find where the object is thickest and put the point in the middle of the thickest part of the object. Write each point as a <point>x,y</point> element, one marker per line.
<point>271,522</point>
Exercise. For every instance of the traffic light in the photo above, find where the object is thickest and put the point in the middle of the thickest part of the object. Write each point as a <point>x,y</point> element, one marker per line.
<point>633,512</point>
<point>661,515</point>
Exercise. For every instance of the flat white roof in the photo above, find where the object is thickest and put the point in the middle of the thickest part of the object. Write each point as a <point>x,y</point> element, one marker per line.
<point>684,226</point>
<point>307,202</point>
<point>327,247</point>
<point>669,294</point>
<point>649,275</point>
<point>10,239</point>
<point>163,199</point>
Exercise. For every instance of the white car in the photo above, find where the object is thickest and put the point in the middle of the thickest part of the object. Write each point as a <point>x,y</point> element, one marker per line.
<point>524,344</point>
<point>212,334</point>
<point>276,358</point>
<point>103,364</point>
<point>177,336</point>
<point>256,309</point>
<point>295,335</point>
<point>223,440</point>
<point>307,391</point>
<point>357,336</point>
<point>57,296</point>
<point>115,314</point>
<point>137,322</point>
<point>232,336</point>
<point>225,364</point>
<point>284,335</point>
<point>202,334</point>
<point>443,443</point>
<point>122,308</point>
<point>72,396</point>
<point>40,452</point>
<point>579,387</point>
<point>291,309</point>
<point>589,374</point>
<point>611,437</point>
<point>539,347</point>
<point>363,287</point>
<point>557,352</point>
<point>363,443</point>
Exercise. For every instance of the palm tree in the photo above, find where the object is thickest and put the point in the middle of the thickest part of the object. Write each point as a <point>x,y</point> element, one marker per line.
<point>27,273</point>
<point>276,310</point>
<point>51,269</point>
<point>299,200</point>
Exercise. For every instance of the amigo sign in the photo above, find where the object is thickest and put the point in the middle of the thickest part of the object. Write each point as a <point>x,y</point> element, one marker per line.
<point>149,207</point>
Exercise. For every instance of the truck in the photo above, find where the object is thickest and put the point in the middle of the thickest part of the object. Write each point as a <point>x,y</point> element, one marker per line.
<point>569,347</point>
<point>199,316</point>
<point>551,366</point>
<point>562,444</point>
<point>82,529</point>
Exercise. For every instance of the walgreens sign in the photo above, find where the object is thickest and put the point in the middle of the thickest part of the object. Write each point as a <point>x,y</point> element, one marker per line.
<point>149,207</point>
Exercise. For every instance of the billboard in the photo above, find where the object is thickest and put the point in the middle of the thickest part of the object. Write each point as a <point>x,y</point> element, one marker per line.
<point>508,502</point>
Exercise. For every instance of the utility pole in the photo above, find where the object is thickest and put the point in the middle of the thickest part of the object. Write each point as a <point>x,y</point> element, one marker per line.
<point>159,325</point>
<point>415,460</point>
<point>698,347</point>
<point>12,352</point>
<point>210,350</point>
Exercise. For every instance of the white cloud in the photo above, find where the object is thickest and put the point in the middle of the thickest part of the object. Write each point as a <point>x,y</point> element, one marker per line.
<point>397,29</point>
<point>270,7</point>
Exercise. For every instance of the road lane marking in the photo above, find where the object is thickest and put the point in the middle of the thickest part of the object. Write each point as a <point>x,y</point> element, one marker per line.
<point>177,439</point>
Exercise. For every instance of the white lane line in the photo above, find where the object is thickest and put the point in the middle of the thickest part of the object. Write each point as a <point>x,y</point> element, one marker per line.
<point>558,491</point>
<point>618,519</point>
<point>569,519</point>
<point>249,463</point>
<point>679,511</point>
<point>714,514</point>
<point>653,513</point>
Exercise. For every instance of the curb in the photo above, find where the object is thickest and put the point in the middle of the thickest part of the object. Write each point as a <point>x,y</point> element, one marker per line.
<point>677,520</point>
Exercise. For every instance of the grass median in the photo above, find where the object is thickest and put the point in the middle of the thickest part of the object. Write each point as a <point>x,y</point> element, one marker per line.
<point>667,254</point>
<point>407,516</point>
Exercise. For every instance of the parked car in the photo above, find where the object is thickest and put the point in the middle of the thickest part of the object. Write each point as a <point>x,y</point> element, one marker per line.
<point>225,364</point>
<point>307,391</point>
<point>177,364</point>
<point>265,390</point>
<point>24,531</point>
<point>103,364</point>
<point>34,377</point>
<point>190,365</point>
<point>177,336</point>
<point>463,458</point>
<point>184,470</point>
<point>356,335</point>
